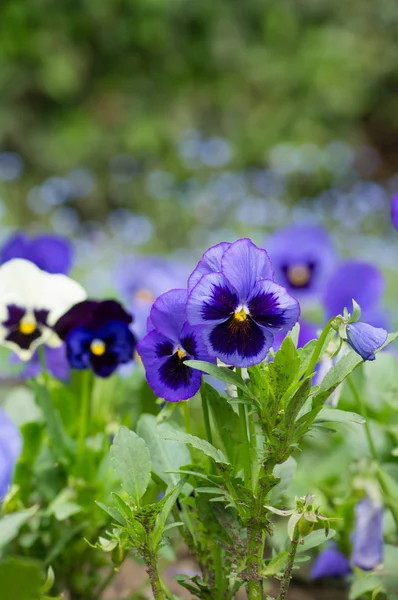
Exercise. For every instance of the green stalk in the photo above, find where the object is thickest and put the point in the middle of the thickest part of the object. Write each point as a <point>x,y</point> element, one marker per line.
<point>185,413</point>
<point>318,349</point>
<point>85,411</point>
<point>206,417</point>
<point>389,498</point>
<point>285,583</point>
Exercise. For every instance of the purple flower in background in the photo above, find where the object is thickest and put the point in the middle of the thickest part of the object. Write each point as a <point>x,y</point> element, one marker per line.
<point>50,252</point>
<point>141,279</point>
<point>367,550</point>
<point>240,307</point>
<point>360,281</point>
<point>365,339</point>
<point>10,449</point>
<point>97,336</point>
<point>330,563</point>
<point>303,257</point>
<point>170,342</point>
<point>56,361</point>
<point>394,211</point>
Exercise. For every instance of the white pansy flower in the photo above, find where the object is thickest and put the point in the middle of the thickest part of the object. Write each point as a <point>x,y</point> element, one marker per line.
<point>31,301</point>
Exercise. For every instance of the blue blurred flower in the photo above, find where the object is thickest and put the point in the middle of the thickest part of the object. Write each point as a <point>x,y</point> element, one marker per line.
<point>51,253</point>
<point>303,256</point>
<point>10,449</point>
<point>56,362</point>
<point>367,551</point>
<point>141,279</point>
<point>169,343</point>
<point>359,281</point>
<point>365,339</point>
<point>394,211</point>
<point>330,563</point>
<point>97,336</point>
<point>240,307</point>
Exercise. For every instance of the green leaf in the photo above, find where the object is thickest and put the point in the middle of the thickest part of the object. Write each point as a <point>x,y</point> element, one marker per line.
<point>226,421</point>
<point>170,500</point>
<point>63,507</point>
<point>20,579</point>
<point>60,442</point>
<point>11,524</point>
<point>131,462</point>
<point>314,539</point>
<point>283,370</point>
<point>365,584</point>
<point>285,472</point>
<point>166,456</point>
<point>114,513</point>
<point>276,565</point>
<point>198,443</point>
<point>335,415</point>
<point>222,373</point>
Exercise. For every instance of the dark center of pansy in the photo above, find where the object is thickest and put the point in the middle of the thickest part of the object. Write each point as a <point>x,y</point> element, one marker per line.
<point>27,326</point>
<point>98,347</point>
<point>144,295</point>
<point>299,275</point>
<point>181,353</point>
<point>241,314</point>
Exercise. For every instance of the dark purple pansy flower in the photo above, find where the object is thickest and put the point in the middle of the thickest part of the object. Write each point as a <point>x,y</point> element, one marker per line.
<point>240,308</point>
<point>365,339</point>
<point>97,336</point>
<point>367,550</point>
<point>10,449</point>
<point>170,342</point>
<point>394,211</point>
<point>303,257</point>
<point>50,252</point>
<point>142,279</point>
<point>330,563</point>
<point>360,281</point>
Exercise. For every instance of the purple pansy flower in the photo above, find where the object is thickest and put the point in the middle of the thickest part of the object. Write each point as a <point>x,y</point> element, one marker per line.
<point>367,551</point>
<point>56,362</point>
<point>50,252</point>
<point>358,280</point>
<point>240,307</point>
<point>330,563</point>
<point>10,449</point>
<point>365,339</point>
<point>170,342</point>
<point>394,211</point>
<point>142,279</point>
<point>303,257</point>
<point>209,263</point>
<point>97,336</point>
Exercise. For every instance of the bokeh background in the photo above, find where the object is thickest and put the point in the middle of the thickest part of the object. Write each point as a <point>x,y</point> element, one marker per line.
<point>163,126</point>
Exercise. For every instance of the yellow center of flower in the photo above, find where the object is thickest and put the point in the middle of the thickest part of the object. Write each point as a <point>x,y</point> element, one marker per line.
<point>98,347</point>
<point>240,315</point>
<point>181,353</point>
<point>299,275</point>
<point>144,296</point>
<point>27,327</point>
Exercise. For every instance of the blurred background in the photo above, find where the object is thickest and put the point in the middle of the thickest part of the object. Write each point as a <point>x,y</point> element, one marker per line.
<point>164,126</point>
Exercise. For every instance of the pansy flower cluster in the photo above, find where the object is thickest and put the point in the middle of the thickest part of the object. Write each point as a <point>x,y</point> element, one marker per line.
<point>230,311</point>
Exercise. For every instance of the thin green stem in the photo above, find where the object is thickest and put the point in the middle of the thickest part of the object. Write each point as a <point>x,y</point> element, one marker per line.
<point>187,418</point>
<point>287,575</point>
<point>206,417</point>
<point>85,411</point>
<point>318,349</point>
<point>380,475</point>
<point>246,441</point>
<point>105,583</point>
<point>43,365</point>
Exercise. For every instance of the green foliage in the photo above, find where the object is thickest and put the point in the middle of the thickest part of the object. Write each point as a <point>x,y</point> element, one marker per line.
<point>132,463</point>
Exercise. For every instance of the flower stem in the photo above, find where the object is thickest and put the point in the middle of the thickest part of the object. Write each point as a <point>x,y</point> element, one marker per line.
<point>206,417</point>
<point>318,348</point>
<point>388,497</point>
<point>285,583</point>
<point>187,418</point>
<point>154,578</point>
<point>85,411</point>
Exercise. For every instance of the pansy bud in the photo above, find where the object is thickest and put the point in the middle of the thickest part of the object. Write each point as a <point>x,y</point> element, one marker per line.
<point>365,339</point>
<point>367,551</point>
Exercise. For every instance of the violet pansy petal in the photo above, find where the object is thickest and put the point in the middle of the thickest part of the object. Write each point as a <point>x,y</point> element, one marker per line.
<point>168,314</point>
<point>211,301</point>
<point>209,263</point>
<point>394,211</point>
<point>174,381</point>
<point>51,253</point>
<point>367,550</point>
<point>356,280</point>
<point>154,348</point>
<point>272,307</point>
<point>365,339</point>
<point>243,264</point>
<point>330,563</point>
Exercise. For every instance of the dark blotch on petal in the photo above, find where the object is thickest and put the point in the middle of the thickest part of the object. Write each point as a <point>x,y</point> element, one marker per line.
<point>21,339</point>
<point>104,365</point>
<point>222,304</point>
<point>265,310</point>
<point>189,344</point>
<point>174,374</point>
<point>243,337</point>
<point>15,314</point>
<point>164,349</point>
<point>41,316</point>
